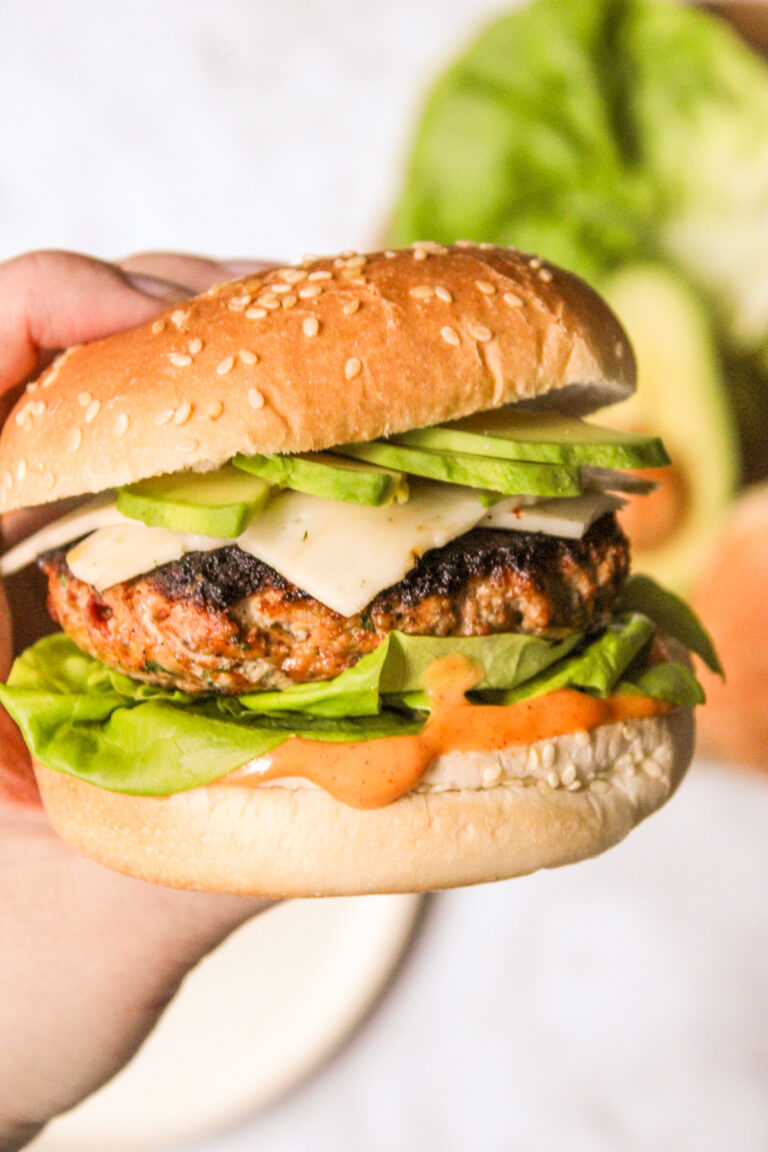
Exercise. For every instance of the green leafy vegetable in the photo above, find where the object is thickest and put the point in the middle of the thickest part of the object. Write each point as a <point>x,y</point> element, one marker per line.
<point>600,133</point>
<point>672,616</point>
<point>82,718</point>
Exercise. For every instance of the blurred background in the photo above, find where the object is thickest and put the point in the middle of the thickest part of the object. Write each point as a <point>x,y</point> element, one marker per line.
<point>623,1003</point>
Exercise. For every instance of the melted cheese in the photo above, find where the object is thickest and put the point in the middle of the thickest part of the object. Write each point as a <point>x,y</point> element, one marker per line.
<point>342,554</point>
<point>95,514</point>
<point>569,516</point>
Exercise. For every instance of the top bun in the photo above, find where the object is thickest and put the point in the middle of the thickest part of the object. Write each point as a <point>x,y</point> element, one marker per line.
<point>300,359</point>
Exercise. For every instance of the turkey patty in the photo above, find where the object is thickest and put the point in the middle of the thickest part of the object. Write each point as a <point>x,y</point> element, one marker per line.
<point>225,622</point>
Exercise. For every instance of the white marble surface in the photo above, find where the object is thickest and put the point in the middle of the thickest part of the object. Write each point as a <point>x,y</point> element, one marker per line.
<point>253,127</point>
<point>621,1004</point>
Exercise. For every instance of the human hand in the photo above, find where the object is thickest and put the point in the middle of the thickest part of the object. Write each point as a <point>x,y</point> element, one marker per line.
<point>89,959</point>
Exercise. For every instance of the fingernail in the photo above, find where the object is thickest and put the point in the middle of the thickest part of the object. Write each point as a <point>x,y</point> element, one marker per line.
<point>158,288</point>
<point>247,267</point>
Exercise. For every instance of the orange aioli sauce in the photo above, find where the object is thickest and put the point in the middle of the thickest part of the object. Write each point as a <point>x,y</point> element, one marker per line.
<point>373,773</point>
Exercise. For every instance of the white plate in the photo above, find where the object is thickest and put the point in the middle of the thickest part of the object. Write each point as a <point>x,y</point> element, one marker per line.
<point>250,1022</point>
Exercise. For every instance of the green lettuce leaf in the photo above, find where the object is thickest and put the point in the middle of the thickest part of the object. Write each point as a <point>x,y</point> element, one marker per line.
<point>674,683</point>
<point>601,132</point>
<point>79,717</point>
<point>672,616</point>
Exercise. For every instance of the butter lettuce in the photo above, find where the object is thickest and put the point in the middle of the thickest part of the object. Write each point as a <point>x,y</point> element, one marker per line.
<point>82,718</point>
<point>601,132</point>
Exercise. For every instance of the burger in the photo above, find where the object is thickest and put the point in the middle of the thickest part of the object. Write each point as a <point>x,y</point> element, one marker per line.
<point>345,604</point>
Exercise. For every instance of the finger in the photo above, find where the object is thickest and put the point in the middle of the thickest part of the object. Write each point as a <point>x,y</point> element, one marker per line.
<point>50,300</point>
<point>199,272</point>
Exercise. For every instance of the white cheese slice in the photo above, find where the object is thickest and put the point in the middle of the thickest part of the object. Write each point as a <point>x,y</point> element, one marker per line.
<point>95,514</point>
<point>127,549</point>
<point>345,554</point>
<point>342,554</point>
<point>569,516</point>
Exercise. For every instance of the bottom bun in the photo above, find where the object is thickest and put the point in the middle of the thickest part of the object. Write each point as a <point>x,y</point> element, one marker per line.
<point>299,841</point>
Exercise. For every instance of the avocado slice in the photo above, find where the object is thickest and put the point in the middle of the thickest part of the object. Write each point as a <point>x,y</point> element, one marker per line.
<point>220,503</point>
<point>510,477</point>
<point>541,436</point>
<point>682,396</point>
<point>323,474</point>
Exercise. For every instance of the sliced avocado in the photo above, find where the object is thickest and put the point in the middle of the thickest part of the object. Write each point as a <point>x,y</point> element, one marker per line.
<point>681,395</point>
<point>541,436</point>
<point>511,477</point>
<point>323,474</point>
<point>220,503</point>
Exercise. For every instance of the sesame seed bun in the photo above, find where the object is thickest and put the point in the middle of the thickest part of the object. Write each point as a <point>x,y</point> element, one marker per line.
<point>285,842</point>
<point>300,359</point>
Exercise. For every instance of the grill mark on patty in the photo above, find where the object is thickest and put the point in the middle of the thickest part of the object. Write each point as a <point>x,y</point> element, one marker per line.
<point>223,621</point>
<point>221,578</point>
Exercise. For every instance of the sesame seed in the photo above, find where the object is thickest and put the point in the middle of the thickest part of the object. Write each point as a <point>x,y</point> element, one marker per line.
<point>481,333</point>
<point>568,775</point>
<point>352,368</point>
<point>21,470</point>
<point>389,254</point>
<point>268,300</point>
<point>157,327</point>
<point>48,480</point>
<point>179,359</point>
<point>339,262</point>
<point>92,411</point>
<point>351,307</point>
<point>356,261</point>
<point>23,416</point>
<point>548,755</point>
<point>190,446</point>
<point>182,413</point>
<point>545,275</point>
<point>247,356</point>
<point>420,253</point>
<point>348,254</point>
<point>652,768</point>
<point>32,387</point>
<point>84,398</point>
<point>75,439</point>
<point>310,291</point>
<point>512,300</point>
<point>164,417</point>
<point>600,787</point>
<point>255,313</point>
<point>450,335</point>
<point>553,779</point>
<point>320,275</point>
<point>443,294</point>
<point>215,409</point>
<point>310,326</point>
<point>289,301</point>
<point>121,424</point>
<point>619,350</point>
<point>423,292</point>
<point>179,317</point>
<point>37,407</point>
<point>486,246</point>
<point>255,398</point>
<point>358,280</point>
<point>293,275</point>
<point>239,303</point>
<point>464,244</point>
<point>543,787</point>
<point>225,365</point>
<point>279,289</point>
<point>309,257</point>
<point>535,263</point>
<point>195,346</point>
<point>486,287</point>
